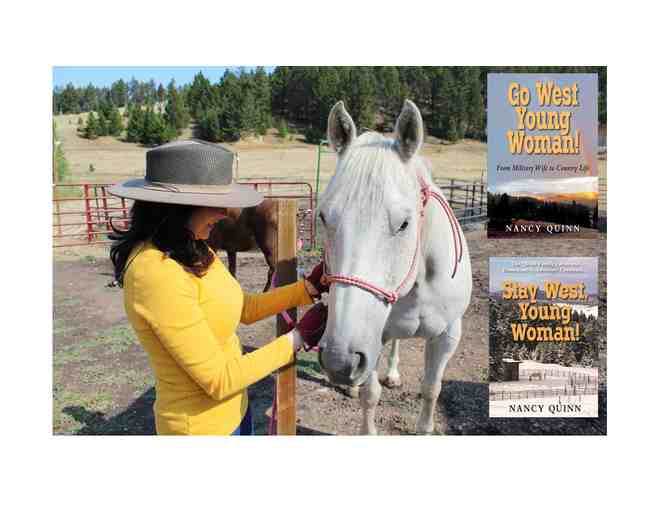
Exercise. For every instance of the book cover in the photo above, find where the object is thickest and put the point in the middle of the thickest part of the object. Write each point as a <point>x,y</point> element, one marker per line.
<point>542,155</point>
<point>543,337</point>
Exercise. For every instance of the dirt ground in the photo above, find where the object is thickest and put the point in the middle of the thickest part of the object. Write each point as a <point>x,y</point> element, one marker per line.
<point>102,381</point>
<point>103,384</point>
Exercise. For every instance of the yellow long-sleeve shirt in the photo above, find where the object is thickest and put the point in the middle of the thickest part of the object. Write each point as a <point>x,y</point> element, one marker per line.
<point>188,325</point>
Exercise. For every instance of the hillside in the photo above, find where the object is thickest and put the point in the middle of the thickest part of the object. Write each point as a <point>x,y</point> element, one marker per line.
<point>270,157</point>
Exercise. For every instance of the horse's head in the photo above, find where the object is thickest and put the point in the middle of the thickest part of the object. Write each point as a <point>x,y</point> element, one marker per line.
<point>370,215</point>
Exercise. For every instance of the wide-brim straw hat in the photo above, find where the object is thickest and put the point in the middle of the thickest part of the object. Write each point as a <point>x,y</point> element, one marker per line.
<point>189,172</point>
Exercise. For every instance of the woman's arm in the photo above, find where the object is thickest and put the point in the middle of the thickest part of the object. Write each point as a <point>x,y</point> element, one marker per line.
<point>260,306</point>
<point>169,304</point>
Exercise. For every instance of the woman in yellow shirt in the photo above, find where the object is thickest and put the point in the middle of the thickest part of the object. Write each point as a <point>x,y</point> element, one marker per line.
<point>183,303</point>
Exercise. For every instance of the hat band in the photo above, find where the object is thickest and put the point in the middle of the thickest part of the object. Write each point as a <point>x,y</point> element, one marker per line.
<point>207,189</point>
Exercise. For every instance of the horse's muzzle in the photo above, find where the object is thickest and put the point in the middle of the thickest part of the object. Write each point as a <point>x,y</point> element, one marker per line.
<point>343,368</point>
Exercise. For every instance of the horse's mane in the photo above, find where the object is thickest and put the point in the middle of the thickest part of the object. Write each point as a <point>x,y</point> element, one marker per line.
<point>369,167</point>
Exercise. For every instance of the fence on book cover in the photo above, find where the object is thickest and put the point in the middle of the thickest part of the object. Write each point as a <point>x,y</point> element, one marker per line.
<point>544,373</point>
<point>567,391</point>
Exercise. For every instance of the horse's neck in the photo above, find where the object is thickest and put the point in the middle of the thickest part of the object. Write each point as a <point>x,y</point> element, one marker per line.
<point>438,233</point>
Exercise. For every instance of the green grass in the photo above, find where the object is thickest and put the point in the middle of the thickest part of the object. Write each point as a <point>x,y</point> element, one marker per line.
<point>68,191</point>
<point>307,363</point>
<point>71,406</point>
<point>60,327</point>
<point>117,339</point>
<point>89,376</point>
<point>79,352</point>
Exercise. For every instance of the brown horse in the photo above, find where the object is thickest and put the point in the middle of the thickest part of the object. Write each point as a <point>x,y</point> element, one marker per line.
<point>245,230</point>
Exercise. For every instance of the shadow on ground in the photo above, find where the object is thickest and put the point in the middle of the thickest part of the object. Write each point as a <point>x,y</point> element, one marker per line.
<point>136,420</point>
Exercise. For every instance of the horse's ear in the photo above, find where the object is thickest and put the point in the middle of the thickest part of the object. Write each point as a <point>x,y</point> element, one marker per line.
<point>409,131</point>
<point>341,130</point>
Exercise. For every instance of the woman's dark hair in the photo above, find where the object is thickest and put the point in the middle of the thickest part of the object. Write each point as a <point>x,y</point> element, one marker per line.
<point>166,226</point>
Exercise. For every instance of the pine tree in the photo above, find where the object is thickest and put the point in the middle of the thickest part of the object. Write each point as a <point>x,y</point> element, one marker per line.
<point>208,126</point>
<point>134,92</point>
<point>91,128</point>
<point>119,93</point>
<point>361,96</point>
<point>115,124</point>
<point>261,90</point>
<point>475,108</point>
<point>176,113</point>
<point>248,113</point>
<point>201,96</point>
<point>89,98</point>
<point>151,95</point>
<point>69,100</point>
<point>451,133</point>
<point>134,128</point>
<point>102,125</point>
<point>327,91</point>
<point>230,94</point>
<point>459,100</point>
<point>279,91</point>
<point>390,95</point>
<point>153,128</point>
<point>443,114</point>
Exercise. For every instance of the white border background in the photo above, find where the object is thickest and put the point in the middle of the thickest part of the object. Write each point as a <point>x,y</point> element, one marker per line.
<point>629,466</point>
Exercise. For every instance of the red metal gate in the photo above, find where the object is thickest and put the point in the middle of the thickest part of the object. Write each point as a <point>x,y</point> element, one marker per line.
<point>82,211</point>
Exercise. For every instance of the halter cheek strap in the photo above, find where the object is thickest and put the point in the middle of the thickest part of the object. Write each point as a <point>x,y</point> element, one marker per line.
<point>391,297</point>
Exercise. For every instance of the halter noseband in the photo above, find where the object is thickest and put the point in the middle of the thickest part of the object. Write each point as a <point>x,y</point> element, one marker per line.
<point>391,297</point>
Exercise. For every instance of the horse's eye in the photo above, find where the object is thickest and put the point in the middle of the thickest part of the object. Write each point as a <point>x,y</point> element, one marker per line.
<point>403,226</point>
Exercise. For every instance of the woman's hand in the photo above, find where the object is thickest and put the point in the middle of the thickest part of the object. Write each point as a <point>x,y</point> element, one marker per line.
<point>311,327</point>
<point>297,339</point>
<point>316,281</point>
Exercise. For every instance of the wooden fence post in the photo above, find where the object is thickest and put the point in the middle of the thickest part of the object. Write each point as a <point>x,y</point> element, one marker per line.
<point>284,211</point>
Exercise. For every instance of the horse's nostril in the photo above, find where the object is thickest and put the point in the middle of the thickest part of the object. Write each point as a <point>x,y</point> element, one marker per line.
<point>358,365</point>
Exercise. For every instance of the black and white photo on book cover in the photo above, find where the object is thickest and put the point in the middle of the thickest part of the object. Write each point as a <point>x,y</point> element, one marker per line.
<point>544,346</point>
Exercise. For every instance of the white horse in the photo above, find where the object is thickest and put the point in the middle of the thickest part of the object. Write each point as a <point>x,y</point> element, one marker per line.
<point>397,259</point>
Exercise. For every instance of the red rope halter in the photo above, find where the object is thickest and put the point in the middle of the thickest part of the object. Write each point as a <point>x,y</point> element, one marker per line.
<point>391,297</point>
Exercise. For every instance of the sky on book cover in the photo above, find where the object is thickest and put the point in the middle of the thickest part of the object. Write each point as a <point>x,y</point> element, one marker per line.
<point>557,184</point>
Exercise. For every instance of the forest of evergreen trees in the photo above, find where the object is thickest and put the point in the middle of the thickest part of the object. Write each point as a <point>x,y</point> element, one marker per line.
<point>504,208</point>
<point>451,99</point>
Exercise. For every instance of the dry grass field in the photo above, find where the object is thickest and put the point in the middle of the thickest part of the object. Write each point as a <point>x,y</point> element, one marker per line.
<point>270,157</point>
<point>260,158</point>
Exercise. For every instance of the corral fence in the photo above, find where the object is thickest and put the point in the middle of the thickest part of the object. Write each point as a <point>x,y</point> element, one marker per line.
<point>567,391</point>
<point>82,212</point>
<point>469,199</point>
